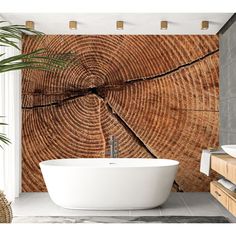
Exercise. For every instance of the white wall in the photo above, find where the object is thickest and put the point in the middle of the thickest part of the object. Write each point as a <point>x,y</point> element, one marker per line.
<point>134,23</point>
<point>10,107</point>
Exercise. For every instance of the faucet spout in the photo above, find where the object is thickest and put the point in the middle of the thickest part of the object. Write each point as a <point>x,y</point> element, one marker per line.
<point>113,147</point>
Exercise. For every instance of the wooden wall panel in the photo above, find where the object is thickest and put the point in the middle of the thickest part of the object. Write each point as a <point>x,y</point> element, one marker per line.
<point>157,94</point>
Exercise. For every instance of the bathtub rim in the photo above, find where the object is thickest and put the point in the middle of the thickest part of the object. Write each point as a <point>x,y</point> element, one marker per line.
<point>46,163</point>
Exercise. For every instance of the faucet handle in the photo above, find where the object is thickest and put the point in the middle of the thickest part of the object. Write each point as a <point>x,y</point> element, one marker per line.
<point>112,139</point>
<point>104,153</point>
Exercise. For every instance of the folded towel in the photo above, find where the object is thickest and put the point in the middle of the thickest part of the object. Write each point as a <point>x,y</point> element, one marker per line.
<point>227,184</point>
<point>205,164</point>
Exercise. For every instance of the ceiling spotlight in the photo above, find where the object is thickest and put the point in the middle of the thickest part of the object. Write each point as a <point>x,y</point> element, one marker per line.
<point>205,25</point>
<point>120,25</point>
<point>164,25</point>
<point>29,24</point>
<point>73,25</point>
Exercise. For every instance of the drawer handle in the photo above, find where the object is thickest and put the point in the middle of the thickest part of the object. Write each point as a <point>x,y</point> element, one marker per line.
<point>219,195</point>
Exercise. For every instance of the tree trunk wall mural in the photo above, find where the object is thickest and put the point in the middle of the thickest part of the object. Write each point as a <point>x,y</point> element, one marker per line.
<point>157,94</point>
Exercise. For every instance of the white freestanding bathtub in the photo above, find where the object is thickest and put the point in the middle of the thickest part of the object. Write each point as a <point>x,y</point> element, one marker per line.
<point>109,183</point>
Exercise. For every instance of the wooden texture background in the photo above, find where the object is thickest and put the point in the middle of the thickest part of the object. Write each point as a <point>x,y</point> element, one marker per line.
<point>157,94</point>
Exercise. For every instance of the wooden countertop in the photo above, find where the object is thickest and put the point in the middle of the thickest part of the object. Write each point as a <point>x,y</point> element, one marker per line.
<point>225,157</point>
<point>225,165</point>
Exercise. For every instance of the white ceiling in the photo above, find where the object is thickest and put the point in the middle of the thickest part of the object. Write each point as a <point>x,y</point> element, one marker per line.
<point>134,23</point>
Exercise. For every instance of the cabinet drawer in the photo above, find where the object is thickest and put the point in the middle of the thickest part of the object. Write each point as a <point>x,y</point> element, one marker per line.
<point>219,165</point>
<point>232,206</point>
<point>231,175</point>
<point>220,195</point>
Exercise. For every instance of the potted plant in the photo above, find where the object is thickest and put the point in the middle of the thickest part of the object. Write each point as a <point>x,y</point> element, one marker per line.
<point>9,35</point>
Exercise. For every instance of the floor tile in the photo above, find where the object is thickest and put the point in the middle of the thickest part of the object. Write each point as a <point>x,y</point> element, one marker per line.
<point>40,204</point>
<point>201,204</point>
<point>148,212</point>
<point>178,204</point>
<point>174,206</point>
<point>224,212</point>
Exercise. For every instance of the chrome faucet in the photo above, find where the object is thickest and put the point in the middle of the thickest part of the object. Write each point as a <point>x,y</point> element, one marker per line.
<point>113,152</point>
<point>113,147</point>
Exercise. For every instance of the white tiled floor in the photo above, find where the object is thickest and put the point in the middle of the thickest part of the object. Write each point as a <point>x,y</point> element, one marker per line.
<point>182,204</point>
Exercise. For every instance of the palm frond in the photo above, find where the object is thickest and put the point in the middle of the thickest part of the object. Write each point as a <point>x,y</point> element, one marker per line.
<point>35,60</point>
<point>10,34</point>
<point>39,59</point>
<point>17,30</point>
<point>4,139</point>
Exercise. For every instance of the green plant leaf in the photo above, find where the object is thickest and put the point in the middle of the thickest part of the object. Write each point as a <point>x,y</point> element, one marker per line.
<point>38,59</point>
<point>4,139</point>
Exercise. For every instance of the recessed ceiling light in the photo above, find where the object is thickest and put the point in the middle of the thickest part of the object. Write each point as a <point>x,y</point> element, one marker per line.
<point>205,25</point>
<point>120,25</point>
<point>29,24</point>
<point>73,25</point>
<point>164,25</point>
